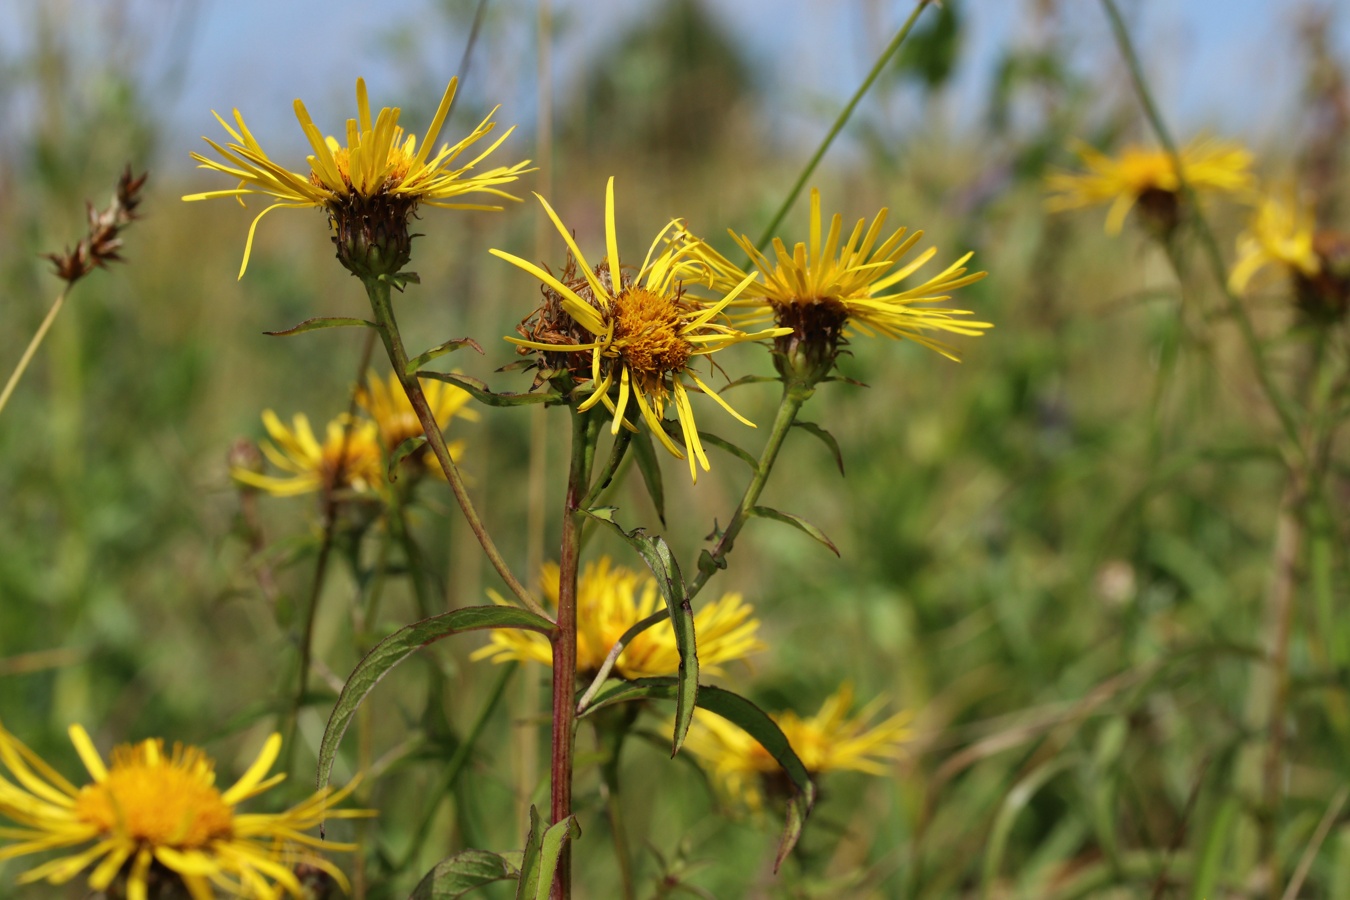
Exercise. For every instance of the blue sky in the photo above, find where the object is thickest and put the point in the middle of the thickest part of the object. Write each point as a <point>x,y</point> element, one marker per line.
<point>1229,65</point>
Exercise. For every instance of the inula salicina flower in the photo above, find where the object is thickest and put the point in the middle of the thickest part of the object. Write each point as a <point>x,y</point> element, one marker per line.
<point>1148,179</point>
<point>388,406</point>
<point>152,814</point>
<point>610,600</point>
<point>349,457</point>
<point>640,333</point>
<point>830,286</point>
<point>1282,233</point>
<point>370,185</point>
<point>832,740</point>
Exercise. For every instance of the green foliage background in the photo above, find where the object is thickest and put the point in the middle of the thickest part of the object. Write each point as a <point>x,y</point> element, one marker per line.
<point>1072,618</point>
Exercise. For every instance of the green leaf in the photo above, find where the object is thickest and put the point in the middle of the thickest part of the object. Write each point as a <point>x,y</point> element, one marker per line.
<point>647,464</point>
<point>441,350</point>
<point>826,438</point>
<point>673,429</point>
<point>749,718</point>
<point>656,553</point>
<point>1013,804</point>
<point>749,379</point>
<point>462,873</point>
<point>399,646</point>
<point>528,882</point>
<point>405,449</point>
<point>709,564</point>
<point>765,512</point>
<point>321,322</point>
<point>1214,847</point>
<point>480,392</point>
<point>551,850</point>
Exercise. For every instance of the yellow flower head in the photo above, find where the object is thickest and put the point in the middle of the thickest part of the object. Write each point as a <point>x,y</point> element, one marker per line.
<point>610,600</point>
<point>823,289</point>
<point>152,808</point>
<point>829,741</point>
<point>388,405</point>
<point>1280,232</point>
<point>379,172</point>
<point>1149,178</point>
<point>642,332</point>
<point>349,457</point>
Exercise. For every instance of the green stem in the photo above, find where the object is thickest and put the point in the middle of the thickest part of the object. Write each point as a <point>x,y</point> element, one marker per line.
<point>412,557</point>
<point>564,641</point>
<point>843,118</point>
<point>32,348</point>
<point>794,395</point>
<point>387,326</point>
<point>612,731</point>
<point>1207,239</point>
<point>616,455</point>
<point>450,774</point>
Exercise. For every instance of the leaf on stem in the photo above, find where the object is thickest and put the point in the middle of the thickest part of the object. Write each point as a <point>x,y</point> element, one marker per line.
<point>322,322</point>
<point>826,438</point>
<point>673,429</point>
<point>441,350</point>
<point>528,882</point>
<point>650,467</point>
<point>464,872</point>
<point>405,449</point>
<point>480,392</point>
<point>391,651</point>
<point>745,715</point>
<point>655,552</point>
<point>550,850</point>
<point>765,512</point>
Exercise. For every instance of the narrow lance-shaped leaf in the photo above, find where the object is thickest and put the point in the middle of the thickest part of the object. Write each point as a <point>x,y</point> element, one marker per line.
<point>466,871</point>
<point>746,716</point>
<point>650,467</point>
<point>322,322</point>
<point>391,651</point>
<point>826,438</point>
<point>441,350</point>
<point>406,448</point>
<point>796,522</point>
<point>655,552</point>
<point>480,392</point>
<point>720,443</point>
<point>528,882</point>
<point>550,851</point>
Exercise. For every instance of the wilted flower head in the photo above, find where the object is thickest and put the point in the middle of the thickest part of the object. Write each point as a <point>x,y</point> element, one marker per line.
<point>823,290</point>
<point>103,242</point>
<point>610,600</point>
<point>829,741</point>
<point>152,814</point>
<point>1148,179</point>
<point>349,457</point>
<point>369,186</point>
<point>1283,233</point>
<point>639,331</point>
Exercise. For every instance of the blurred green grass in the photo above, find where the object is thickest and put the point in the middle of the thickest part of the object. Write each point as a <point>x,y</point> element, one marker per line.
<point>1015,568</point>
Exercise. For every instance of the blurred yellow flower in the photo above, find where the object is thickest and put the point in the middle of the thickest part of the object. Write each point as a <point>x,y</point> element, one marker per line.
<point>821,289</point>
<point>1280,232</point>
<point>388,405</point>
<point>149,808</point>
<point>829,741</point>
<point>349,457</point>
<point>610,600</point>
<point>1148,177</point>
<point>377,161</point>
<point>642,335</point>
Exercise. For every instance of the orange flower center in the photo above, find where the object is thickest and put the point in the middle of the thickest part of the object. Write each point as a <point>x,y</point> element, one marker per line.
<point>647,335</point>
<point>156,800</point>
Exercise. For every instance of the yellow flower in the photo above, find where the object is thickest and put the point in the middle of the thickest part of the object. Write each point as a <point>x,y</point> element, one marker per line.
<point>388,405</point>
<point>1281,231</point>
<point>151,808</point>
<point>829,741</point>
<point>349,457</point>
<point>642,335</point>
<point>821,289</point>
<point>610,600</point>
<point>1149,178</point>
<point>377,163</point>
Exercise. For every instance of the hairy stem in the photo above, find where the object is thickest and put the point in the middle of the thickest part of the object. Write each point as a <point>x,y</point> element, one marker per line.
<point>387,326</point>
